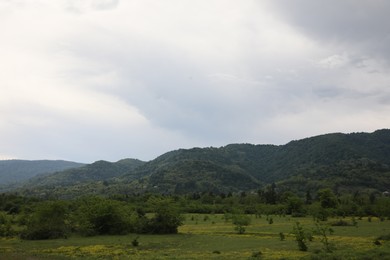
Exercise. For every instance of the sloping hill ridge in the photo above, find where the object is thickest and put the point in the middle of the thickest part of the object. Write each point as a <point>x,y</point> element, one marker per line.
<point>19,170</point>
<point>97,171</point>
<point>352,162</point>
<point>345,161</point>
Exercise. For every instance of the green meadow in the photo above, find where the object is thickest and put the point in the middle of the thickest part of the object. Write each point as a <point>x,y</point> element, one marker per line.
<point>212,236</point>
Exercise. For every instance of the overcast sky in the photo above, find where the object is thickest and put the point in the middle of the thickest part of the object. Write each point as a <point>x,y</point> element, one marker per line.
<point>85,80</point>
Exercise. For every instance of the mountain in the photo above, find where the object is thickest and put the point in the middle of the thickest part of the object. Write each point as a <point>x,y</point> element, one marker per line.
<point>340,161</point>
<point>97,171</point>
<point>343,162</point>
<point>19,170</point>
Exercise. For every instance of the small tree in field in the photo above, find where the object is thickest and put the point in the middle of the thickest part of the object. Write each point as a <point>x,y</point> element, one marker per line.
<point>300,236</point>
<point>241,221</point>
<point>324,231</point>
<point>167,217</point>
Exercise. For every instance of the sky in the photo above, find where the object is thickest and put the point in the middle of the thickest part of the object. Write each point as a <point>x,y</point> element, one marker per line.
<point>87,80</point>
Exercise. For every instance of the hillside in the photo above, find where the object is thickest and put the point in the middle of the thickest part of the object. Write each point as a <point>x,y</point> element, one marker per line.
<point>343,162</point>
<point>97,171</point>
<point>19,170</point>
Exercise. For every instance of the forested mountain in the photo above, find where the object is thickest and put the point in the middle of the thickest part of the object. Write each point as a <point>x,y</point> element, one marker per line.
<point>18,170</point>
<point>97,171</point>
<point>343,162</point>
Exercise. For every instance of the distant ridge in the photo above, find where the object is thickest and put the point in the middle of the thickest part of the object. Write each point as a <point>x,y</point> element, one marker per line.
<point>344,162</point>
<point>19,170</point>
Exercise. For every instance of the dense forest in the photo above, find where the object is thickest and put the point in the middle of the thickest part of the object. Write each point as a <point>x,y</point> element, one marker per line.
<point>345,163</point>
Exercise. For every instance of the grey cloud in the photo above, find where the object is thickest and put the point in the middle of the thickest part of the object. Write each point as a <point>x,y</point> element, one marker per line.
<point>153,80</point>
<point>362,24</point>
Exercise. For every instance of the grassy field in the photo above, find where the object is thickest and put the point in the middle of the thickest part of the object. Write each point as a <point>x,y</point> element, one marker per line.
<point>211,237</point>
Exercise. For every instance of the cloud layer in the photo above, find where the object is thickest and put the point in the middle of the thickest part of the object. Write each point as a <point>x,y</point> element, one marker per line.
<point>107,79</point>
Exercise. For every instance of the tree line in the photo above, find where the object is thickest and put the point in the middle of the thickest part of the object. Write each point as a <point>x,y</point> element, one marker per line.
<point>32,218</point>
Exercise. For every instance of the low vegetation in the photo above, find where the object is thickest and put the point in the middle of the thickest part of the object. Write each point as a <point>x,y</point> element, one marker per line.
<point>238,226</point>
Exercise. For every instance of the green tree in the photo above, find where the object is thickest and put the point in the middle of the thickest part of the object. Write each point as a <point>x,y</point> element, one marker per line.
<point>167,217</point>
<point>324,231</point>
<point>327,198</point>
<point>48,221</point>
<point>270,194</point>
<point>300,236</point>
<point>5,225</point>
<point>241,221</point>
<point>293,204</point>
<point>99,216</point>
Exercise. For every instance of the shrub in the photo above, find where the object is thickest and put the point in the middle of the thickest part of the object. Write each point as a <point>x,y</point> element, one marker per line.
<point>384,237</point>
<point>98,216</point>
<point>240,221</point>
<point>167,218</point>
<point>341,223</point>
<point>300,236</point>
<point>48,221</point>
<point>324,231</point>
<point>5,225</point>
<point>257,254</point>
<point>135,242</point>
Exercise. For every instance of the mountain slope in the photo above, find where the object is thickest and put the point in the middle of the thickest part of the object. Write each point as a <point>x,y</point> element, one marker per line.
<point>360,160</point>
<point>19,170</point>
<point>97,171</point>
<point>350,162</point>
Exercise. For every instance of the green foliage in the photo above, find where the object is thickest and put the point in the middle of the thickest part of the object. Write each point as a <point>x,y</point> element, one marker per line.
<point>135,242</point>
<point>384,237</point>
<point>257,255</point>
<point>98,216</point>
<point>167,217</point>
<point>6,225</point>
<point>300,236</point>
<point>48,221</point>
<point>294,204</point>
<point>198,241</point>
<point>324,231</point>
<point>327,198</point>
<point>342,223</point>
<point>98,173</point>
<point>240,221</point>
<point>342,162</point>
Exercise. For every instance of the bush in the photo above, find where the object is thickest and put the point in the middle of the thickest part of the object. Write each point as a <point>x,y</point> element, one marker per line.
<point>340,223</point>
<point>240,221</point>
<point>257,254</point>
<point>5,226</point>
<point>167,218</point>
<point>135,242</point>
<point>384,237</point>
<point>98,216</point>
<point>48,221</point>
<point>300,236</point>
